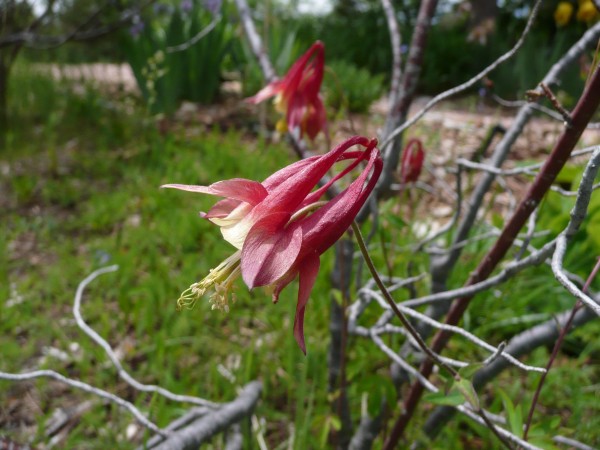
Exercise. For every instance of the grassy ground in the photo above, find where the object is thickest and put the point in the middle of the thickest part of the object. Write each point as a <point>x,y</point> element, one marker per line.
<point>79,190</point>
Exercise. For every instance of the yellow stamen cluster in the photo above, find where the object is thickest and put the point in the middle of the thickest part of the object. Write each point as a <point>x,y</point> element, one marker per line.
<point>221,280</point>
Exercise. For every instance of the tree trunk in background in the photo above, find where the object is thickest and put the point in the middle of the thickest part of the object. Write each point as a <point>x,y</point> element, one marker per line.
<point>483,20</point>
<point>340,280</point>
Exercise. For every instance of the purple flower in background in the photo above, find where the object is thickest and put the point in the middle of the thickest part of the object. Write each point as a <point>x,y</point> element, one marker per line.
<point>214,6</point>
<point>137,27</point>
<point>403,49</point>
<point>186,6</point>
<point>482,92</point>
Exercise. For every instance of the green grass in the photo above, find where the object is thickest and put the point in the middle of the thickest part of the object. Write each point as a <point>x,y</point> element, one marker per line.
<point>81,190</point>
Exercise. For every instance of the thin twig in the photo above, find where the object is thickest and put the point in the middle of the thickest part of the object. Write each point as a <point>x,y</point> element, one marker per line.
<point>458,330</point>
<point>388,298</point>
<point>413,332</point>
<point>566,115</point>
<point>112,355</point>
<point>557,346</point>
<point>195,39</point>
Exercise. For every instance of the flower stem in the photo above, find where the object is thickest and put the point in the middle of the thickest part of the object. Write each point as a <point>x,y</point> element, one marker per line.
<point>388,298</point>
<point>413,332</point>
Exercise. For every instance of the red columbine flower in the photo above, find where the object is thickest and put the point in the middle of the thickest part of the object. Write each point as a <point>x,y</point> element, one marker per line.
<point>412,161</point>
<point>280,227</point>
<point>297,94</point>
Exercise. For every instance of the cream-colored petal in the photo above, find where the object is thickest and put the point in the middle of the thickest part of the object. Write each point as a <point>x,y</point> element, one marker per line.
<point>236,234</point>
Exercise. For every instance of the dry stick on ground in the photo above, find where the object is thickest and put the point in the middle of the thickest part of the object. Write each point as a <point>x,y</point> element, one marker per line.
<point>201,430</point>
<point>86,388</point>
<point>586,107</point>
<point>80,384</point>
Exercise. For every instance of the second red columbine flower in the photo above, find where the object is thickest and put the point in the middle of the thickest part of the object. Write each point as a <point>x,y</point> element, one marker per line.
<point>297,94</point>
<point>412,161</point>
<point>280,227</point>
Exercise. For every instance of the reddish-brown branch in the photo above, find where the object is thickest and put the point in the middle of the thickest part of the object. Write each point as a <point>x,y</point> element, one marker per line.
<point>581,116</point>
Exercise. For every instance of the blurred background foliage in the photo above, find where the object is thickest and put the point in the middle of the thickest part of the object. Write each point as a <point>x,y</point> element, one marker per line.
<point>356,39</point>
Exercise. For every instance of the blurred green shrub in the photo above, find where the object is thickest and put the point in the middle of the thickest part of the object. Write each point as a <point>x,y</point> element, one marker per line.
<point>168,72</point>
<point>351,87</point>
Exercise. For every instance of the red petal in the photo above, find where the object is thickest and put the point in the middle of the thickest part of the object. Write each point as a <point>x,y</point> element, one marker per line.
<point>221,209</point>
<point>269,90</point>
<point>309,268</point>
<point>282,283</point>
<point>316,195</point>
<point>326,225</point>
<point>316,120</point>
<point>295,75</point>
<point>412,161</point>
<point>283,174</point>
<point>237,188</point>
<point>269,251</point>
<point>292,192</point>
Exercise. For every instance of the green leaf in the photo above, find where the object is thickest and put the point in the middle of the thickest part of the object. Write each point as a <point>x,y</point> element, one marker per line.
<point>336,423</point>
<point>440,398</point>
<point>465,387</point>
<point>396,221</point>
<point>469,371</point>
<point>513,413</point>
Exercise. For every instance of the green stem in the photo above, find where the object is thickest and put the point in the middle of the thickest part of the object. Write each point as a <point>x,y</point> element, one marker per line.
<point>388,298</point>
<point>412,331</point>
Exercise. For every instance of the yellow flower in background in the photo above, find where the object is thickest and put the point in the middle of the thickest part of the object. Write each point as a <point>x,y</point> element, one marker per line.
<point>587,12</point>
<point>563,13</point>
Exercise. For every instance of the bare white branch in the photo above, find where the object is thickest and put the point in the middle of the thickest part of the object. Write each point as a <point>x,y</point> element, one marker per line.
<point>395,39</point>
<point>584,194</point>
<point>557,269</point>
<point>572,443</point>
<point>457,330</point>
<point>112,355</point>
<point>255,40</point>
<point>464,409</point>
<point>195,39</point>
<point>87,388</point>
